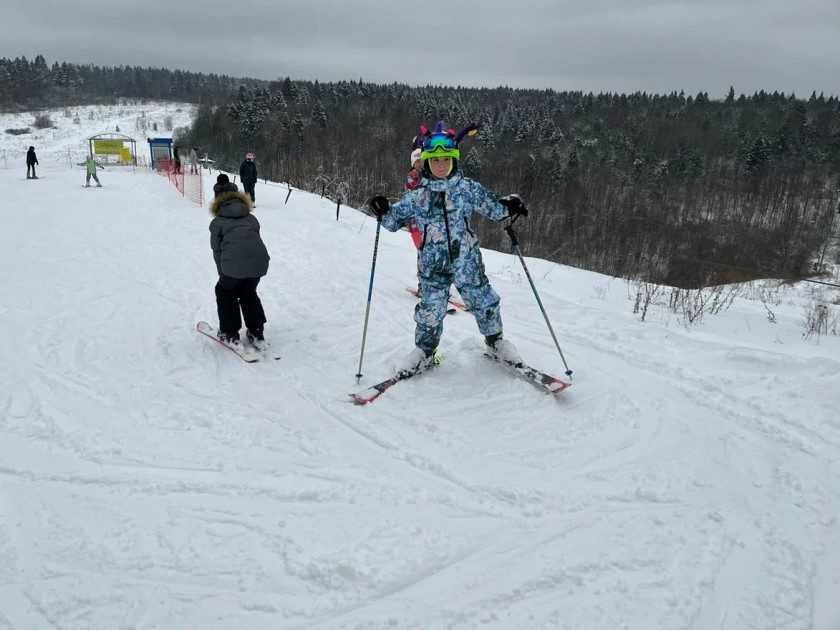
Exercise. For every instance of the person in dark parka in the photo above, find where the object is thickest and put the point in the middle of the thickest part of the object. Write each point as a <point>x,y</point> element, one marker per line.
<point>248,176</point>
<point>241,260</point>
<point>31,161</point>
<point>176,159</point>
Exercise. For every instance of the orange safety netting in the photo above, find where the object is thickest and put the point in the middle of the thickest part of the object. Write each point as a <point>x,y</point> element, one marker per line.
<point>189,183</point>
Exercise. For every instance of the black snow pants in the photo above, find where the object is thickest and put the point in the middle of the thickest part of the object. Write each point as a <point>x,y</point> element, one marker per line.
<point>248,187</point>
<point>233,294</point>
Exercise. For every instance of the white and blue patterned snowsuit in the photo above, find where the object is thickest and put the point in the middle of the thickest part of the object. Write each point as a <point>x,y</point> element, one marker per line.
<point>449,253</point>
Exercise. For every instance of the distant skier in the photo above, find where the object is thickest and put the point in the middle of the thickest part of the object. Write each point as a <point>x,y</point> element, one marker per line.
<point>91,165</point>
<point>31,161</point>
<point>248,175</point>
<point>241,260</point>
<point>176,159</point>
<point>442,205</point>
<point>193,161</point>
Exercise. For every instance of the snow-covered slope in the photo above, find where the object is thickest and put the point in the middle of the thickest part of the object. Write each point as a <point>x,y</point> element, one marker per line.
<point>690,478</point>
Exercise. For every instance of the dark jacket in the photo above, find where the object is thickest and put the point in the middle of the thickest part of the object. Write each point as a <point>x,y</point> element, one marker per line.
<point>238,249</point>
<point>31,159</point>
<point>248,172</point>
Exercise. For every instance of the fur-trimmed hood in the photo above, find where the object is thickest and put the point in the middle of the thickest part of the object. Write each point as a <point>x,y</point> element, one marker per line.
<point>231,204</point>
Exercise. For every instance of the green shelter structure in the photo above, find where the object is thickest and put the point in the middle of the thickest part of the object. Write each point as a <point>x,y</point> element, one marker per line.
<point>114,148</point>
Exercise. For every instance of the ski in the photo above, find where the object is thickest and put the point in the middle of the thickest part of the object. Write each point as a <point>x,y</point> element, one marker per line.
<point>375,391</point>
<point>264,351</point>
<point>540,379</point>
<point>206,329</point>
<point>458,305</point>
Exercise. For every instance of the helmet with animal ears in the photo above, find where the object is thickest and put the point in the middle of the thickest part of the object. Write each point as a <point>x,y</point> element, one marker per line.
<point>469,131</point>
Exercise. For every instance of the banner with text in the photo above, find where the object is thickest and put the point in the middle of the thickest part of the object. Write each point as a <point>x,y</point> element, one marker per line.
<point>107,147</point>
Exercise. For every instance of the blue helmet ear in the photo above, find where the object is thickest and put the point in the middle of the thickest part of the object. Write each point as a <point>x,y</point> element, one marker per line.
<point>469,130</point>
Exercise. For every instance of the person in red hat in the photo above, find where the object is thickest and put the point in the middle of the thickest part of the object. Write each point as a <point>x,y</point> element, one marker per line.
<point>411,181</point>
<point>248,177</point>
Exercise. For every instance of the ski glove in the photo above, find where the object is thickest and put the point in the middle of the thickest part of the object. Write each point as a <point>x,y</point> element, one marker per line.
<point>514,205</point>
<point>379,206</point>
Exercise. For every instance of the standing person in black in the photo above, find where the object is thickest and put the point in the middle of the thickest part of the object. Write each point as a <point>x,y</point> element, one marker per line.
<point>176,160</point>
<point>248,175</point>
<point>241,260</point>
<point>31,161</point>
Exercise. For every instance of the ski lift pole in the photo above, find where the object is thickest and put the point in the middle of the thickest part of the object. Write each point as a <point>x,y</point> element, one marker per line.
<point>514,241</point>
<point>370,294</point>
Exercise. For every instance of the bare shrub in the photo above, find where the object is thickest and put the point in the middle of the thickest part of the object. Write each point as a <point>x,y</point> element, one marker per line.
<point>771,316</point>
<point>43,121</point>
<point>646,294</point>
<point>692,305</point>
<point>819,316</point>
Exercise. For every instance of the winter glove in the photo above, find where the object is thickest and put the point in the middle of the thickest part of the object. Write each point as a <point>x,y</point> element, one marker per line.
<point>379,206</point>
<point>514,205</point>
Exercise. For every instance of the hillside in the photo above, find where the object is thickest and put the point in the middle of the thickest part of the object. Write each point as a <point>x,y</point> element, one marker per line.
<point>690,477</point>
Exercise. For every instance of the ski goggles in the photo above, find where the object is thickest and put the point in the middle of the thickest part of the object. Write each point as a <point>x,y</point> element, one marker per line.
<point>439,142</point>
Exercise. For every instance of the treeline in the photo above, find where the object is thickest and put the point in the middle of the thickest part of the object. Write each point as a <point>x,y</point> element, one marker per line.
<point>26,85</point>
<point>676,189</point>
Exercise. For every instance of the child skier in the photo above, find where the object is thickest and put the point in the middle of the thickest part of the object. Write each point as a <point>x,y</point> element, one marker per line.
<point>176,160</point>
<point>411,182</point>
<point>194,161</point>
<point>90,164</point>
<point>241,260</point>
<point>442,205</point>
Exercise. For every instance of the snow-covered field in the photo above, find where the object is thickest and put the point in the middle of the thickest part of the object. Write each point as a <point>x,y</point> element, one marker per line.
<point>67,142</point>
<point>690,478</point>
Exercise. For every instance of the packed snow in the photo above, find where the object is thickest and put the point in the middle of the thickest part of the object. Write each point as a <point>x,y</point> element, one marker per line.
<point>149,478</point>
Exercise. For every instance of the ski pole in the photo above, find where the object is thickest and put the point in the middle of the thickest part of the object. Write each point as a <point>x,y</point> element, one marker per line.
<point>514,241</point>
<point>370,294</point>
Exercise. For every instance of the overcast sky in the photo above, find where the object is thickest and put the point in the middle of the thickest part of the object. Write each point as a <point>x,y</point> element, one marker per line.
<point>656,46</point>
